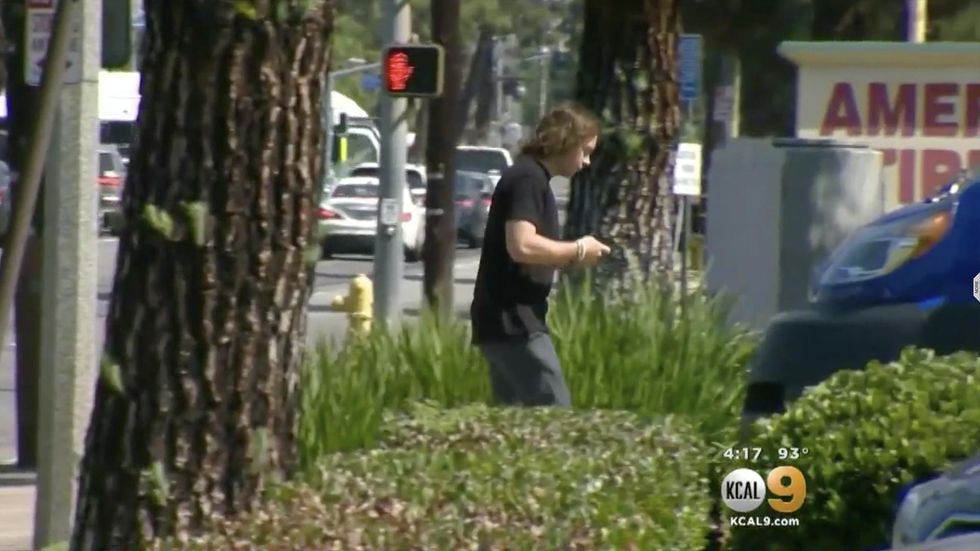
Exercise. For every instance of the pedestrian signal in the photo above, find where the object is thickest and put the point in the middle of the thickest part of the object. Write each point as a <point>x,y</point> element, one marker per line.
<point>413,70</point>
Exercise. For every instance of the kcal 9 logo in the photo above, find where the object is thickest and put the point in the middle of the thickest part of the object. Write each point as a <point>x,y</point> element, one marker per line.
<point>743,490</point>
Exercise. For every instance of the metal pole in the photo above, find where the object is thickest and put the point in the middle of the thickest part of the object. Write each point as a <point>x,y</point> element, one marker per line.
<point>327,130</point>
<point>389,252</point>
<point>916,22</point>
<point>498,78</point>
<point>543,89</point>
<point>30,180</point>
<point>68,303</point>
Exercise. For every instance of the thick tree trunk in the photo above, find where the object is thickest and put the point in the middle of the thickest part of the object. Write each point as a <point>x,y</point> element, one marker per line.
<point>627,76</point>
<point>194,408</point>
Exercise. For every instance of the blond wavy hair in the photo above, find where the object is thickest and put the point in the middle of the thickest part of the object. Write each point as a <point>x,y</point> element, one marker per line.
<point>565,127</point>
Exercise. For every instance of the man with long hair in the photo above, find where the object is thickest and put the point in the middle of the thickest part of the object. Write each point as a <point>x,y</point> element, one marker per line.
<point>521,251</point>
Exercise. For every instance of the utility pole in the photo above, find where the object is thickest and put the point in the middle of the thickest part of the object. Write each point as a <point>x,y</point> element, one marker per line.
<point>543,87</point>
<point>389,252</point>
<point>328,160</point>
<point>440,225</point>
<point>499,98</point>
<point>68,306</point>
<point>916,22</point>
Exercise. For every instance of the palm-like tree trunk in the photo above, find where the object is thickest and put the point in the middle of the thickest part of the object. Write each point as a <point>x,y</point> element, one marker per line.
<point>627,76</point>
<point>194,409</point>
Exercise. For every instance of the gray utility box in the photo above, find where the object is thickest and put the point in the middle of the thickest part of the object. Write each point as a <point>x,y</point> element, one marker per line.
<point>776,209</point>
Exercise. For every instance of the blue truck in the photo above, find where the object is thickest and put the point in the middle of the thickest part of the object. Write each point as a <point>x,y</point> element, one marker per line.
<point>909,278</point>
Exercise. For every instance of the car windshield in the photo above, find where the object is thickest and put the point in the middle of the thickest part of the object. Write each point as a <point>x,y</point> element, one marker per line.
<point>355,191</point>
<point>413,178</point>
<point>480,160</point>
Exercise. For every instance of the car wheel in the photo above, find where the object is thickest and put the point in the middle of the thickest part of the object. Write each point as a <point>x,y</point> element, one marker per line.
<point>327,253</point>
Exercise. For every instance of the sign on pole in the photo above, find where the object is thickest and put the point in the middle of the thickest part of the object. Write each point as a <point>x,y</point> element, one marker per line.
<point>689,52</point>
<point>687,169</point>
<point>39,23</point>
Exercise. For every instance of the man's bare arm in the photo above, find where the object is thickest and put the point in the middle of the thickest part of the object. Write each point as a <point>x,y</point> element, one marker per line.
<point>526,246</point>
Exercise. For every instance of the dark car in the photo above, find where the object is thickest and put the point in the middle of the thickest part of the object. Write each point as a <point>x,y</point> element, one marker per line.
<point>472,195</point>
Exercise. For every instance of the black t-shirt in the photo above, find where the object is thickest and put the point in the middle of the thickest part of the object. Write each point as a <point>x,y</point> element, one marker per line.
<point>510,300</point>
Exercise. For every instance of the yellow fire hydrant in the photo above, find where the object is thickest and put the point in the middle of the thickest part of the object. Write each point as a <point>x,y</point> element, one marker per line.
<point>357,304</point>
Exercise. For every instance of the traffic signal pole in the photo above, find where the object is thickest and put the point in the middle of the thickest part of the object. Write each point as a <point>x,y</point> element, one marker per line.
<point>389,252</point>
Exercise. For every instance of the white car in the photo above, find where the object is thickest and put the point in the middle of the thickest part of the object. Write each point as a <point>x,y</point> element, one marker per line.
<point>348,219</point>
<point>491,161</point>
<point>415,178</point>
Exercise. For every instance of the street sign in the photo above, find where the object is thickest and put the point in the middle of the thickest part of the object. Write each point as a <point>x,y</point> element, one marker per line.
<point>39,24</point>
<point>689,52</point>
<point>370,82</point>
<point>687,169</point>
<point>389,212</point>
<point>976,287</point>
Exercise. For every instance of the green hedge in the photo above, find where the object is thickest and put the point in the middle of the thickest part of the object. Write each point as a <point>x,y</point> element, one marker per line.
<point>868,433</point>
<point>506,478</point>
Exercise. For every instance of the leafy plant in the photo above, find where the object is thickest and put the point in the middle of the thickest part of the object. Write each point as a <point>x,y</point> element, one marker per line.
<point>345,392</point>
<point>868,434</point>
<point>655,350</point>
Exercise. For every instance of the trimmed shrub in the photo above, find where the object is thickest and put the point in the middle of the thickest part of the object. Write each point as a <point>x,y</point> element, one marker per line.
<point>494,478</point>
<point>868,434</point>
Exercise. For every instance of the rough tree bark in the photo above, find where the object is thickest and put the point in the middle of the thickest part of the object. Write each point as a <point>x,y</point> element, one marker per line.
<point>194,408</point>
<point>627,77</point>
<point>440,229</point>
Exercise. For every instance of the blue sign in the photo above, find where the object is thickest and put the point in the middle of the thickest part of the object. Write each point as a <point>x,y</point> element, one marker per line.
<point>370,81</point>
<point>689,51</point>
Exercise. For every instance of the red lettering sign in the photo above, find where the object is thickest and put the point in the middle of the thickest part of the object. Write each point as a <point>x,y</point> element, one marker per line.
<point>882,112</point>
<point>937,167</point>
<point>842,112</point>
<point>940,102</point>
<point>971,116</point>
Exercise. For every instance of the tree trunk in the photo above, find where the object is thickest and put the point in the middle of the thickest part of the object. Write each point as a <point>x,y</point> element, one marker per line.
<point>440,224</point>
<point>195,404</point>
<point>627,76</point>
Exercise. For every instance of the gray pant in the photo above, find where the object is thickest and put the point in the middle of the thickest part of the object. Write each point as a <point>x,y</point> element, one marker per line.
<point>526,372</point>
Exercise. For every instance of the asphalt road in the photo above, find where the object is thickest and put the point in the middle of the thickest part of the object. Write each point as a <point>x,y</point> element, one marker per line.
<point>332,278</point>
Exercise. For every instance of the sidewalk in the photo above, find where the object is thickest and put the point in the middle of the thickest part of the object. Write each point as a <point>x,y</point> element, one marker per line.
<point>16,511</point>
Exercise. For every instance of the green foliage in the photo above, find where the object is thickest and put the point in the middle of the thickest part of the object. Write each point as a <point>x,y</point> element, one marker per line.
<point>345,392</point>
<point>642,352</point>
<point>159,220</point>
<point>497,478</point>
<point>869,433</point>
<point>641,355</point>
<point>197,218</point>
<point>110,373</point>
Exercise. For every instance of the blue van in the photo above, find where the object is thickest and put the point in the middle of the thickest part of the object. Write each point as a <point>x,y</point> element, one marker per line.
<point>911,277</point>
